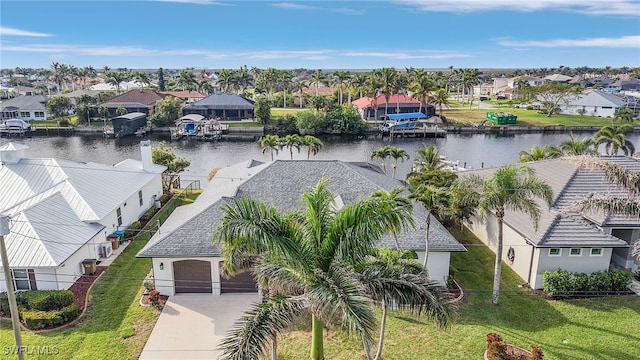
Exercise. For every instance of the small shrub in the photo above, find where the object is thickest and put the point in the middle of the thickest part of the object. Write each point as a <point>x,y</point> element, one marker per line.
<point>149,283</point>
<point>64,122</point>
<point>45,300</point>
<point>36,319</point>
<point>4,303</point>
<point>149,213</point>
<point>127,332</point>
<point>496,347</point>
<point>154,297</point>
<point>70,312</point>
<point>131,230</point>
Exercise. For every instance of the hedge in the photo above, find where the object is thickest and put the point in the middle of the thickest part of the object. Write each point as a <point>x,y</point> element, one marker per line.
<point>564,283</point>
<point>131,231</point>
<point>36,319</point>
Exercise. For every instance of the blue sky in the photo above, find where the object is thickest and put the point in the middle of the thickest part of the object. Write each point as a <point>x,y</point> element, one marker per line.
<point>320,34</point>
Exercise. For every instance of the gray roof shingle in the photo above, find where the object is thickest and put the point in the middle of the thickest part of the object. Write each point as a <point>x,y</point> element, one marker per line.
<point>222,101</point>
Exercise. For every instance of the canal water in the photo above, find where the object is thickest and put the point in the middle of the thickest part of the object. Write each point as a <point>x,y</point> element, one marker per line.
<point>474,151</point>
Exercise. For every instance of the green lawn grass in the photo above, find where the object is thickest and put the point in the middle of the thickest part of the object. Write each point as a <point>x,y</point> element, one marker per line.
<point>284,111</point>
<point>244,124</point>
<point>599,328</point>
<point>114,314</point>
<point>525,118</point>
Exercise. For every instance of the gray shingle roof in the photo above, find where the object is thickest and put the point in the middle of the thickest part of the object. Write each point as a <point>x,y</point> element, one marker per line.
<point>570,184</point>
<point>282,184</point>
<point>35,102</point>
<point>222,101</point>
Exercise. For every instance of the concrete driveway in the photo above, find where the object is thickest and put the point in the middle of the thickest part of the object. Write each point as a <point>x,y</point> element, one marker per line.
<point>192,326</point>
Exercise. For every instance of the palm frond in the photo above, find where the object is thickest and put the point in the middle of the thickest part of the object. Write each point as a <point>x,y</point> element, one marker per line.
<point>250,337</point>
<point>613,205</point>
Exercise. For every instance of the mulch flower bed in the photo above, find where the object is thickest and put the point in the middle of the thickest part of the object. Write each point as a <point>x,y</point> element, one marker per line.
<point>81,287</point>
<point>161,301</point>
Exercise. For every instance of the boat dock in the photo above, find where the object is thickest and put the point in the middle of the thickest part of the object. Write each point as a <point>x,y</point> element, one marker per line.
<point>425,131</point>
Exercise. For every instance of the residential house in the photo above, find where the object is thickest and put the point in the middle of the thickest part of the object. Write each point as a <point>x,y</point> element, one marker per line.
<point>186,258</point>
<point>557,78</point>
<point>593,103</point>
<point>371,110</point>
<point>23,107</point>
<point>187,96</point>
<point>564,239</point>
<point>80,92</point>
<point>134,101</point>
<point>222,107</point>
<point>62,211</point>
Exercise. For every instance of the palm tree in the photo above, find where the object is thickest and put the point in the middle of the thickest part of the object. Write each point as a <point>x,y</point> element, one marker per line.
<point>292,141</point>
<point>614,139</point>
<point>434,199</point>
<point>299,86</point>
<point>540,153</point>
<point>393,277</point>
<point>307,258</point>
<point>271,143</point>
<point>397,153</point>
<point>339,79</point>
<point>440,99</point>
<point>429,158</point>
<point>313,145</point>
<point>382,154</point>
<point>421,88</point>
<point>400,205</point>
<point>115,78</point>
<point>318,78</point>
<point>624,115</point>
<point>387,78</point>
<point>511,187</point>
<point>187,80</point>
<point>574,147</point>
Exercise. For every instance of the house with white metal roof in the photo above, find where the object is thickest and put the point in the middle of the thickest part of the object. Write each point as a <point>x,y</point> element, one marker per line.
<point>593,103</point>
<point>187,259</point>
<point>564,239</point>
<point>61,212</point>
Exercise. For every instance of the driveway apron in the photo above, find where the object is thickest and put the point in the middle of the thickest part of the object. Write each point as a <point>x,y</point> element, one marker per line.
<point>192,326</point>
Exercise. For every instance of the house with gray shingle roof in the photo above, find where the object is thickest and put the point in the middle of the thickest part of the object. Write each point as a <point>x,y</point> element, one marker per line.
<point>57,219</point>
<point>222,107</point>
<point>33,107</point>
<point>187,259</point>
<point>564,239</point>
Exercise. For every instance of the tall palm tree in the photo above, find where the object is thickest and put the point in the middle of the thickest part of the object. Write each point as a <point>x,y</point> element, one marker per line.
<point>434,199</point>
<point>292,141</point>
<point>299,86</point>
<point>440,99</point>
<point>313,145</point>
<point>308,260</point>
<point>512,187</point>
<point>187,80</point>
<point>397,153</point>
<point>339,79</point>
<point>382,154</point>
<point>428,157</point>
<point>115,78</point>
<point>400,204</point>
<point>358,82</point>
<point>614,139</point>
<point>421,89</point>
<point>318,78</point>
<point>573,146</point>
<point>540,153</point>
<point>387,78</point>
<point>271,143</point>
<point>393,277</point>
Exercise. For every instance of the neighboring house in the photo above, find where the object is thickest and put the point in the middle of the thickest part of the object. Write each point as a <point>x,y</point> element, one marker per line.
<point>25,108</point>
<point>593,103</point>
<point>186,96</point>
<point>222,107</point>
<point>61,211</point>
<point>124,86</point>
<point>483,89</point>
<point>564,239</point>
<point>186,258</point>
<point>78,93</point>
<point>397,104</point>
<point>557,79</point>
<point>134,101</point>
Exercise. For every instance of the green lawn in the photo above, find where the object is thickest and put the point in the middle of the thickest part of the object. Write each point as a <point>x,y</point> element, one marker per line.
<point>113,315</point>
<point>525,118</point>
<point>282,111</point>
<point>244,124</point>
<point>604,328</point>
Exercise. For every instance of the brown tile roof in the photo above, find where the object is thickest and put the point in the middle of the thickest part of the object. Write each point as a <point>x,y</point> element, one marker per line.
<point>183,94</point>
<point>146,97</point>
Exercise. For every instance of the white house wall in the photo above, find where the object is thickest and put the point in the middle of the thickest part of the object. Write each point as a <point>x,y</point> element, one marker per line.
<point>164,278</point>
<point>487,232</point>
<point>584,263</point>
<point>602,111</point>
<point>72,268</point>
<point>437,265</point>
<point>132,211</point>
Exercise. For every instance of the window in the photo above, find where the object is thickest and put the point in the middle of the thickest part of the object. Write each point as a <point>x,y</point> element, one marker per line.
<point>24,279</point>
<point>140,198</point>
<point>38,114</point>
<point>119,215</point>
<point>596,252</point>
<point>607,107</point>
<point>555,252</point>
<point>25,114</point>
<point>575,252</point>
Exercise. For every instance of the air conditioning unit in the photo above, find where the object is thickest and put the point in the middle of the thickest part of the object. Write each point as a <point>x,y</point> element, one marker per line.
<point>105,249</point>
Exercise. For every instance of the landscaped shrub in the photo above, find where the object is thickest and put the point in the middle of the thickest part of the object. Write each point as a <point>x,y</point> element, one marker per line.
<point>131,231</point>
<point>70,312</point>
<point>36,319</point>
<point>564,283</point>
<point>45,300</point>
<point>149,213</point>
<point>149,283</point>
<point>154,297</point>
<point>496,347</point>
<point>4,303</point>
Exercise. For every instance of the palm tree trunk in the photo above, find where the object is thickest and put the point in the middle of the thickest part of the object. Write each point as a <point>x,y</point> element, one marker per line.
<point>498,267</point>
<point>383,326</point>
<point>274,347</point>
<point>426,242</point>
<point>317,347</point>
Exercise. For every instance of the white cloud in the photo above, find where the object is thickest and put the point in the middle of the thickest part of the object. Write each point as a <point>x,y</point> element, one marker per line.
<point>405,55</point>
<point>7,31</point>
<point>293,6</point>
<point>285,54</point>
<point>591,7</point>
<point>347,11</point>
<point>620,42</point>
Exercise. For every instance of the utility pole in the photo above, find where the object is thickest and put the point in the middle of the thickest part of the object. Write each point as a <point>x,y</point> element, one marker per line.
<point>11,295</point>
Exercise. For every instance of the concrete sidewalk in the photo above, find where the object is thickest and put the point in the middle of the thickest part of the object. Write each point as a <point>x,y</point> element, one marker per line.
<point>191,326</point>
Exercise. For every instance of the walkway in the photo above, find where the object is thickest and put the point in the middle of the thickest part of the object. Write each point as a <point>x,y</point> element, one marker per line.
<point>192,325</point>
<point>635,286</point>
